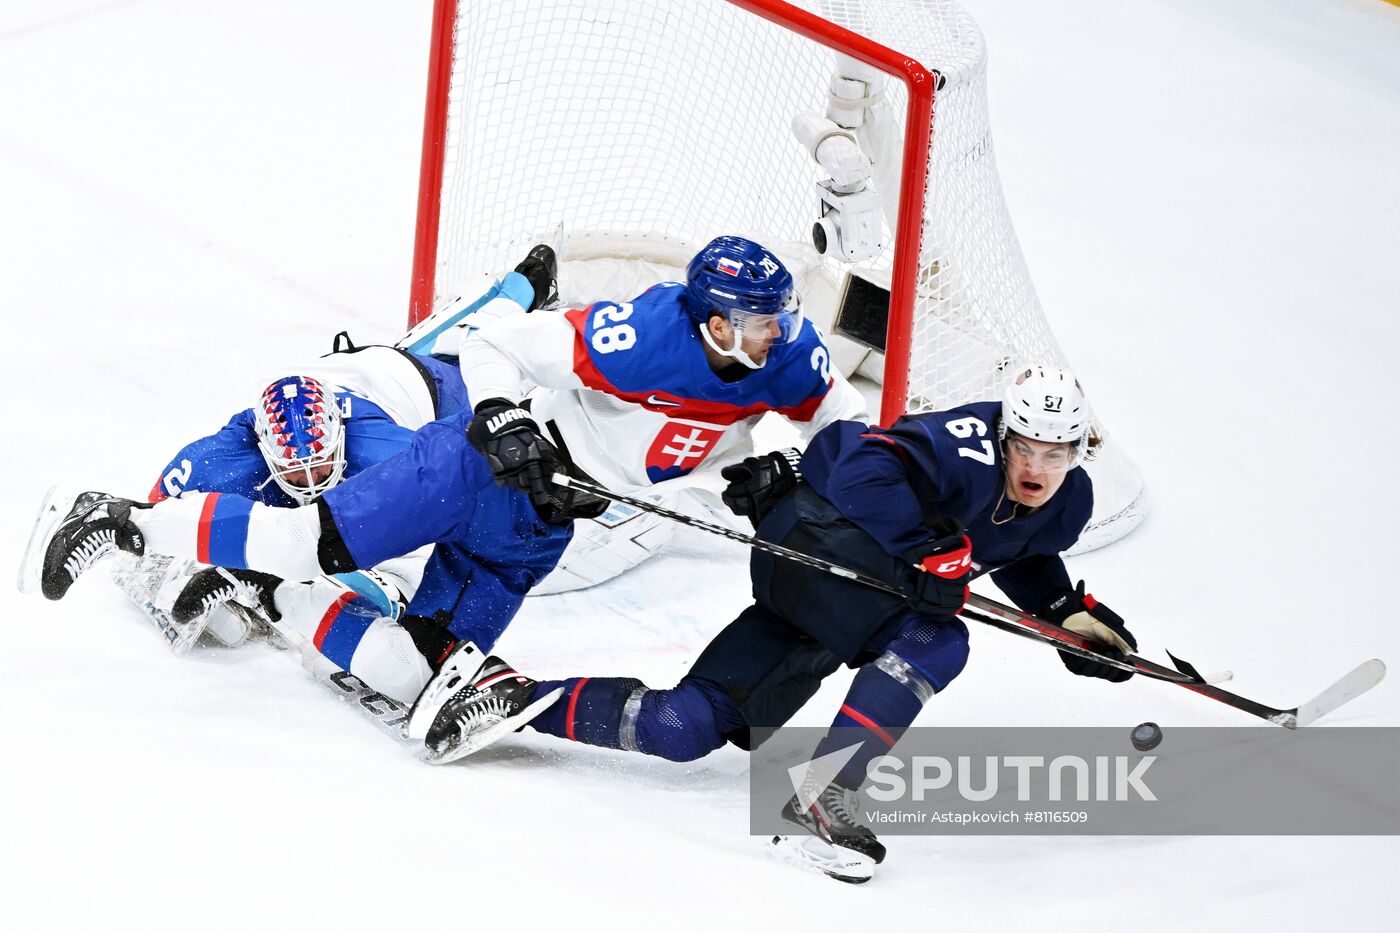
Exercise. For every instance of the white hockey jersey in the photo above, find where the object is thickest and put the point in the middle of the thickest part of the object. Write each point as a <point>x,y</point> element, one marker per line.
<point>629,392</point>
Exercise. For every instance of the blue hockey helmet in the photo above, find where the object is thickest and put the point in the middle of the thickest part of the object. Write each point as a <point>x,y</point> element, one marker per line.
<point>301,436</point>
<point>749,287</point>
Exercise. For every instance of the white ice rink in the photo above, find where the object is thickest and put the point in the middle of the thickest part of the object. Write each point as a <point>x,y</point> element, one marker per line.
<point>1208,194</point>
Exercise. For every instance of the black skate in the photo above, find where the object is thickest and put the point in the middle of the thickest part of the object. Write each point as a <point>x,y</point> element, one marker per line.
<point>541,268</point>
<point>215,586</point>
<point>461,715</point>
<point>71,534</point>
<point>233,604</point>
<point>834,841</point>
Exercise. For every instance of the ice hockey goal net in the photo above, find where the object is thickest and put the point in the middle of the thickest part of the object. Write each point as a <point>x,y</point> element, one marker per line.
<point>634,131</point>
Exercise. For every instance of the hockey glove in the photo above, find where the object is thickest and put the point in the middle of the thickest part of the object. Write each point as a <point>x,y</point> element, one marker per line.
<point>942,566</point>
<point>517,453</point>
<point>1081,613</point>
<point>566,503</point>
<point>757,483</point>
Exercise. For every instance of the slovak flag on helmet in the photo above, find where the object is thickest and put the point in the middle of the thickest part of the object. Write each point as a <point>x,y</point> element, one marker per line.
<point>729,266</point>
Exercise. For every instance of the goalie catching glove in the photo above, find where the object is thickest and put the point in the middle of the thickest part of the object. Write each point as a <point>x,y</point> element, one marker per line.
<point>757,483</point>
<point>937,585</point>
<point>1081,613</point>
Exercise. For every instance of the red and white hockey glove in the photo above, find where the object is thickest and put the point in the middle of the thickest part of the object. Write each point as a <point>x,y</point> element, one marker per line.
<point>942,567</point>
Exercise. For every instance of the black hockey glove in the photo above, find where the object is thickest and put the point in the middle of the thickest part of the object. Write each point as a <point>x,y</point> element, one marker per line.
<point>1084,615</point>
<point>214,586</point>
<point>566,503</point>
<point>937,586</point>
<point>517,453</point>
<point>757,483</point>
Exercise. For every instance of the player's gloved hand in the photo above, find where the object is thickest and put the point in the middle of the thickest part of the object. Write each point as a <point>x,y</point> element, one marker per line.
<point>757,483</point>
<point>214,586</point>
<point>567,503</point>
<point>1081,613</point>
<point>942,567</point>
<point>517,453</point>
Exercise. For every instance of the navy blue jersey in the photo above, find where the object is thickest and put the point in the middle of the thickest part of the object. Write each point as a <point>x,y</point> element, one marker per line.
<point>895,482</point>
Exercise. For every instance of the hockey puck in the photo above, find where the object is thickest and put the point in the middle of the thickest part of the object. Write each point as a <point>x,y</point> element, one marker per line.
<point>1147,736</point>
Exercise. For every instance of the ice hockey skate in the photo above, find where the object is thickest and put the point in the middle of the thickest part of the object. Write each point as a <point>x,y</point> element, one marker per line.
<point>459,715</point>
<point>832,840</point>
<point>72,533</point>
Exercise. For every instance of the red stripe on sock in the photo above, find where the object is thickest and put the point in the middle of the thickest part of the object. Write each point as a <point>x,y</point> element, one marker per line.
<point>573,705</point>
<point>206,520</point>
<point>868,723</point>
<point>332,613</point>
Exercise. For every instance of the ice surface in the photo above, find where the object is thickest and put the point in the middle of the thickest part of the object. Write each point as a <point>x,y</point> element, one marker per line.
<point>192,194</point>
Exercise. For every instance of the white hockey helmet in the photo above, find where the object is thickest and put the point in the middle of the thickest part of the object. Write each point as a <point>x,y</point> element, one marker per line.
<point>1046,404</point>
<point>301,436</point>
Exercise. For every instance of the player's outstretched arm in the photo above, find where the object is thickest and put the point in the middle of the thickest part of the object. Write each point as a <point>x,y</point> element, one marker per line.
<point>509,356</point>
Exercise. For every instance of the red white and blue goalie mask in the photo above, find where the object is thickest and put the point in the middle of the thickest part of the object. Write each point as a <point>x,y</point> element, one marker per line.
<point>301,436</point>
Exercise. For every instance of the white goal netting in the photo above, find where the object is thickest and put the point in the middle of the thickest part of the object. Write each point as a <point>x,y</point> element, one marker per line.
<point>642,129</point>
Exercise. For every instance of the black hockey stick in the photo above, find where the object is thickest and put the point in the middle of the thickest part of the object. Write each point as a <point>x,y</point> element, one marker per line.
<point>1008,619</point>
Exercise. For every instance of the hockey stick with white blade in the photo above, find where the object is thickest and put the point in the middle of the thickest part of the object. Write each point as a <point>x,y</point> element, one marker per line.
<point>1008,619</point>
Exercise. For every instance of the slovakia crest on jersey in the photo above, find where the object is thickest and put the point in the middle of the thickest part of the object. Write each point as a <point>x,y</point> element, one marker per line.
<point>678,449</point>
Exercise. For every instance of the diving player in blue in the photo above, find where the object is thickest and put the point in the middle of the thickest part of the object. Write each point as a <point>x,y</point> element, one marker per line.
<point>913,505</point>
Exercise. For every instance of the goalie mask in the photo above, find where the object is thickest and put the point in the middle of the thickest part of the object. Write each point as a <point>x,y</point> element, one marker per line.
<point>301,436</point>
<point>750,288</point>
<point>1047,405</point>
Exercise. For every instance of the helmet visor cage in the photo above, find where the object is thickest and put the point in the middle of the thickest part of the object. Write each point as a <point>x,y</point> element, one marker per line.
<point>1042,457</point>
<point>782,327</point>
<point>306,478</point>
<point>301,437</point>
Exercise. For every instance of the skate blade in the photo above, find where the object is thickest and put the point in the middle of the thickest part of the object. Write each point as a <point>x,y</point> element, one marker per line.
<point>475,743</point>
<point>832,861</point>
<point>57,502</point>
